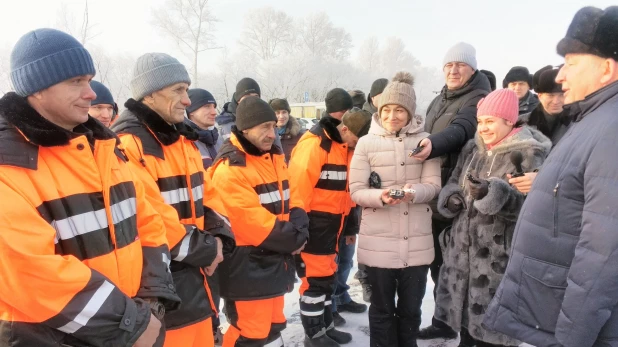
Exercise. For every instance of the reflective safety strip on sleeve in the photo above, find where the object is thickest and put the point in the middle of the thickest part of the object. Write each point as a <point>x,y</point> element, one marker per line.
<point>183,250</point>
<point>91,308</point>
<point>270,197</point>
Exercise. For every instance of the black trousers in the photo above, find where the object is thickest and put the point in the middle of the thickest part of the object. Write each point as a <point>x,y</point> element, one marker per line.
<point>437,226</point>
<point>396,324</point>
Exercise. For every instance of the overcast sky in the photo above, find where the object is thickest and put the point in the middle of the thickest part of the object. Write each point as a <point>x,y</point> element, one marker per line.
<point>505,34</point>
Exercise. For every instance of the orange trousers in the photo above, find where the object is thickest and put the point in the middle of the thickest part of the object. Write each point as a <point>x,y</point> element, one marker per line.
<point>255,323</point>
<point>195,335</point>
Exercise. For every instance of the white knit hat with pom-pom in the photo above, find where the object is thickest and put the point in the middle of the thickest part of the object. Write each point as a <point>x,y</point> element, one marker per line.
<point>400,91</point>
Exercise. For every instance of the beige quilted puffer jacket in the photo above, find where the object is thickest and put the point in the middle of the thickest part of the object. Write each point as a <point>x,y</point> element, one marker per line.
<point>397,236</point>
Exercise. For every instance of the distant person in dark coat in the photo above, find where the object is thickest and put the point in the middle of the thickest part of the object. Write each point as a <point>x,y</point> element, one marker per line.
<point>519,80</point>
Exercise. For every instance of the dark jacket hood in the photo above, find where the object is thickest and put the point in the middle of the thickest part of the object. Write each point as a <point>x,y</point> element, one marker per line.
<point>229,113</point>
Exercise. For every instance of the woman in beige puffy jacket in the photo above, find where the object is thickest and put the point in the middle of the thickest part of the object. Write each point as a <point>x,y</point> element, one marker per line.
<point>395,235</point>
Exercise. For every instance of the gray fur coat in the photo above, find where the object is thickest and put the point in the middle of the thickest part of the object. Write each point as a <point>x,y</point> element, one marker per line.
<point>476,248</point>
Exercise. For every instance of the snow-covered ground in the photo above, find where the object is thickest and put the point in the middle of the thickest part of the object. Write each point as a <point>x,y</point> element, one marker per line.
<point>357,324</point>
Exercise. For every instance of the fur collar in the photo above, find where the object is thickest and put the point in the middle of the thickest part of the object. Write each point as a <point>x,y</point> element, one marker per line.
<point>251,149</point>
<point>39,131</point>
<point>525,139</point>
<point>292,129</point>
<point>537,118</point>
<point>329,125</point>
<point>165,133</point>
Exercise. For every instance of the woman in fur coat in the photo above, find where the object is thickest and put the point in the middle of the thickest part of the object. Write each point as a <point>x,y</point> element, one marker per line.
<point>485,208</point>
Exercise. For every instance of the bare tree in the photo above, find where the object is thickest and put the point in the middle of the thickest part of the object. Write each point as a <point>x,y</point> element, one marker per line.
<point>191,24</point>
<point>369,54</point>
<point>267,31</point>
<point>65,21</point>
<point>5,71</point>
<point>395,57</point>
<point>321,38</point>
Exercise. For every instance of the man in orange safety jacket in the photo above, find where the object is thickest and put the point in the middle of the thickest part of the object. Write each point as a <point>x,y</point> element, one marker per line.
<point>164,156</point>
<point>83,254</point>
<point>319,175</point>
<point>269,225</point>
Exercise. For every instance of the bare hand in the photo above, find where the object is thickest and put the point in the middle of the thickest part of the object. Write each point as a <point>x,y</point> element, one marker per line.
<point>149,336</point>
<point>210,270</point>
<point>409,196</point>
<point>524,183</point>
<point>300,249</point>
<point>350,240</point>
<point>387,200</point>
<point>424,154</point>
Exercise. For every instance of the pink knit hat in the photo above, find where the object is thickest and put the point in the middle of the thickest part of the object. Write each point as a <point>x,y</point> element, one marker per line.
<point>502,103</point>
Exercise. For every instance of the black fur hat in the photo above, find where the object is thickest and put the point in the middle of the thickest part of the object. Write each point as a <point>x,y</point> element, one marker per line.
<point>544,80</point>
<point>516,74</point>
<point>592,31</point>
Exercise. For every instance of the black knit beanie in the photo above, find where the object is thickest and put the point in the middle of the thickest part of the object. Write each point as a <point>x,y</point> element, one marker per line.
<point>200,97</point>
<point>253,111</point>
<point>338,100</point>
<point>377,87</point>
<point>246,86</point>
<point>280,105</point>
<point>517,74</point>
<point>358,121</point>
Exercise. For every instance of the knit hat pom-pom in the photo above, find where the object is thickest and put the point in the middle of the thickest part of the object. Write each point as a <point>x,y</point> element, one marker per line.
<point>404,77</point>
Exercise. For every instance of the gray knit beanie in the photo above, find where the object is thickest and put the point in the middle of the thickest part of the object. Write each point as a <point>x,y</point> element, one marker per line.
<point>462,52</point>
<point>155,71</point>
<point>45,57</point>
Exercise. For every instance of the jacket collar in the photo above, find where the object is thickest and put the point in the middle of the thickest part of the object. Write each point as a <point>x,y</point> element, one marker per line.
<point>165,133</point>
<point>206,136</point>
<point>477,81</point>
<point>39,131</point>
<point>292,129</point>
<point>249,148</point>
<point>579,110</point>
<point>537,119</point>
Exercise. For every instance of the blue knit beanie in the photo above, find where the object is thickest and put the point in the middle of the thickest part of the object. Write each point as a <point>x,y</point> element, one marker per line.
<point>45,57</point>
<point>200,97</point>
<point>155,71</point>
<point>104,96</point>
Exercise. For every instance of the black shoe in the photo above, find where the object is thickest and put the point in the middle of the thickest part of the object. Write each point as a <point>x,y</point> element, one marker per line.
<point>353,307</point>
<point>218,337</point>
<point>366,293</point>
<point>431,332</point>
<point>322,341</point>
<point>341,337</point>
<point>338,320</point>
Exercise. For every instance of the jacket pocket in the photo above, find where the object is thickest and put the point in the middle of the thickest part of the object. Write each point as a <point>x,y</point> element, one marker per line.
<point>541,292</point>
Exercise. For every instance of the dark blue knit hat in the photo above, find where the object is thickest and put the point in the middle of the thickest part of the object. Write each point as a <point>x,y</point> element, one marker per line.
<point>104,96</point>
<point>45,57</point>
<point>200,97</point>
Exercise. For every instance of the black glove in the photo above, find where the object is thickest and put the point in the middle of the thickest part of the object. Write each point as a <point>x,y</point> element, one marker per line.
<point>454,203</point>
<point>479,190</point>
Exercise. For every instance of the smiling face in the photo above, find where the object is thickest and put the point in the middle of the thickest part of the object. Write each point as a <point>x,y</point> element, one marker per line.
<point>103,113</point>
<point>581,75</point>
<point>262,135</point>
<point>457,74</point>
<point>552,102</point>
<point>283,116</point>
<point>67,103</point>
<point>170,102</point>
<point>493,129</point>
<point>394,117</point>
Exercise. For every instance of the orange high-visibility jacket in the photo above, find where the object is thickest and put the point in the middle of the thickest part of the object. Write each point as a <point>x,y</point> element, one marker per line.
<point>170,166</point>
<point>267,222</point>
<point>78,239</point>
<point>319,176</point>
